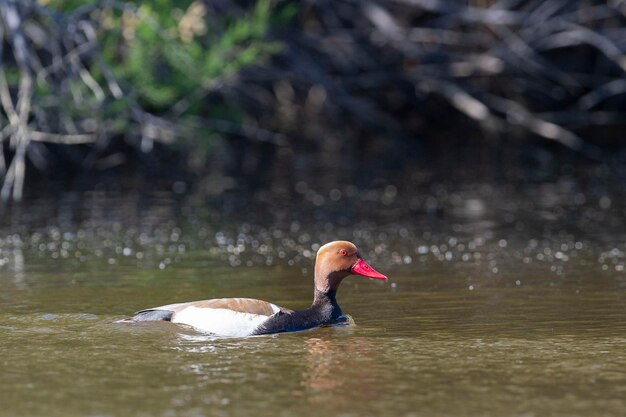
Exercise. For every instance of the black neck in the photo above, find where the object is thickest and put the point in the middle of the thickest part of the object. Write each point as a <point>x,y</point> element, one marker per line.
<point>326,302</point>
<point>324,310</point>
<point>324,298</point>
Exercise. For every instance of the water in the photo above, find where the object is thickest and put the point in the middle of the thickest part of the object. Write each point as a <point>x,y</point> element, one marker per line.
<point>416,349</point>
<point>501,302</point>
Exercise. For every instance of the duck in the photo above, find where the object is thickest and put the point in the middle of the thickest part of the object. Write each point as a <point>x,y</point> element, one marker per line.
<point>241,317</point>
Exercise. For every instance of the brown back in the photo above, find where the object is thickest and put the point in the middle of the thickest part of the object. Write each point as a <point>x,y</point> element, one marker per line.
<point>241,305</point>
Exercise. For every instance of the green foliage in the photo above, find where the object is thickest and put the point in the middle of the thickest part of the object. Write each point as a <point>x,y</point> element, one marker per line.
<point>285,14</point>
<point>166,49</point>
<point>167,64</point>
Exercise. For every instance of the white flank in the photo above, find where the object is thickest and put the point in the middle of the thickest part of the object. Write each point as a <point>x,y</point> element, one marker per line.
<point>220,321</point>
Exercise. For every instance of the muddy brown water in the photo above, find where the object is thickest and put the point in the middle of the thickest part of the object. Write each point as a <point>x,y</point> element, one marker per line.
<point>494,307</point>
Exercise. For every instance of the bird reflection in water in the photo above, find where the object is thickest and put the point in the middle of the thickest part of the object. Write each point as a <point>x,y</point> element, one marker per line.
<point>339,370</point>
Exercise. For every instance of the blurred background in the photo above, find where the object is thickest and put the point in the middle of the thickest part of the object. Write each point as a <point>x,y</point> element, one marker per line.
<point>407,114</point>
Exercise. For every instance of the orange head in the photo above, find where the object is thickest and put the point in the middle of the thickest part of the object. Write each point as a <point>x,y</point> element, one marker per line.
<point>335,261</point>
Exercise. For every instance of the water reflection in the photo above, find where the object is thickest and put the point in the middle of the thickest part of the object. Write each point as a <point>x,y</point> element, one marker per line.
<point>339,369</point>
<point>319,375</point>
<point>15,259</point>
<point>399,220</point>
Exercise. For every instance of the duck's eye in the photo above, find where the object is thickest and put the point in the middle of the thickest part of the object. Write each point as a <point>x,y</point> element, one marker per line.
<point>343,252</point>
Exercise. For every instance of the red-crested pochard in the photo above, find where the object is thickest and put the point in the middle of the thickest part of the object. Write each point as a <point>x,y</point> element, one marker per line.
<point>247,317</point>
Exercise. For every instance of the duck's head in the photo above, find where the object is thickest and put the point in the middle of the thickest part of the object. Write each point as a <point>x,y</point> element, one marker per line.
<point>335,261</point>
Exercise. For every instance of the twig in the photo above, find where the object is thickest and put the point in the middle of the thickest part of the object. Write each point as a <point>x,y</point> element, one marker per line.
<point>602,93</point>
<point>64,139</point>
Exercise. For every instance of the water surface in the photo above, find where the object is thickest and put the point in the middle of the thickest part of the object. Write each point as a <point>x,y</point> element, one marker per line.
<point>502,302</point>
